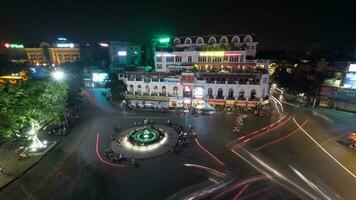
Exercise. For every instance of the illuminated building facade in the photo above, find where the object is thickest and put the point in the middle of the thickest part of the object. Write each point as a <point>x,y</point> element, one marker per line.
<point>44,54</point>
<point>124,54</point>
<point>198,90</point>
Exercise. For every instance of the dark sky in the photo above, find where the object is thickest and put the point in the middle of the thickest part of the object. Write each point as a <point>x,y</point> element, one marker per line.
<point>278,24</point>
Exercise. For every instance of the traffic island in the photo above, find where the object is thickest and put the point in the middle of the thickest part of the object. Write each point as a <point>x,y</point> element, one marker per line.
<point>145,141</point>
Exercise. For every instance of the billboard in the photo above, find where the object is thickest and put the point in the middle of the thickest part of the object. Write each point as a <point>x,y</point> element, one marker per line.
<point>352,68</point>
<point>350,81</point>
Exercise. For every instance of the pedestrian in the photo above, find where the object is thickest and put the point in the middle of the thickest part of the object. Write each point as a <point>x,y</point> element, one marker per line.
<point>133,162</point>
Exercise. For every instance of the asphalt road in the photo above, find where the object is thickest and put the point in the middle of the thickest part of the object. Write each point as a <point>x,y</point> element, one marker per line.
<point>73,170</point>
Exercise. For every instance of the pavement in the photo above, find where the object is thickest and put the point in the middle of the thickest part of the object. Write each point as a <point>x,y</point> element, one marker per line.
<point>77,169</point>
<point>14,167</point>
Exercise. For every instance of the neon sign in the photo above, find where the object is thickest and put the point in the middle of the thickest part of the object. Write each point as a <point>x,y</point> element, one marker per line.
<point>13,46</point>
<point>212,53</point>
<point>164,40</point>
<point>122,53</point>
<point>65,45</point>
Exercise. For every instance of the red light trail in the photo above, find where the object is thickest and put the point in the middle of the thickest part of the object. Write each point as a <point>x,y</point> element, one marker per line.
<point>99,156</point>
<point>210,154</point>
<point>281,138</point>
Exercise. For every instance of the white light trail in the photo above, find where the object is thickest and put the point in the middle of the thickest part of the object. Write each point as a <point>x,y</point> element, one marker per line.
<point>327,153</point>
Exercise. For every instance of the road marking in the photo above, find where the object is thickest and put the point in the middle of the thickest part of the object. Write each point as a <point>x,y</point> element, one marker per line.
<point>327,153</point>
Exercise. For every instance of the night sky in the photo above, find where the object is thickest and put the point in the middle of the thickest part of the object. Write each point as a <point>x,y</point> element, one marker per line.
<point>278,24</point>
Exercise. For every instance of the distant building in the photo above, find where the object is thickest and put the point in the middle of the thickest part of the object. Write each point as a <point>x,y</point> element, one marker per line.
<point>43,54</point>
<point>124,55</point>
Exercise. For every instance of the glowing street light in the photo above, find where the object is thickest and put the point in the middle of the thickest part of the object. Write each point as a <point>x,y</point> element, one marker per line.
<point>58,75</point>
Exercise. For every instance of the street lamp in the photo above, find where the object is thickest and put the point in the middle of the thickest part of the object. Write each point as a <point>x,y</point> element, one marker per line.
<point>58,75</point>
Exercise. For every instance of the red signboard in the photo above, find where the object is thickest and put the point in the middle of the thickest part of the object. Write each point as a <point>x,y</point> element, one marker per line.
<point>216,102</point>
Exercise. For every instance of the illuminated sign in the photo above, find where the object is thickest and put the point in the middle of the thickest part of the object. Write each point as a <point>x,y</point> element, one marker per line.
<point>99,77</point>
<point>350,81</point>
<point>165,55</point>
<point>164,40</point>
<point>122,53</point>
<point>352,68</point>
<point>62,39</point>
<point>14,46</point>
<point>212,53</point>
<point>65,45</point>
<point>103,44</point>
<point>199,92</point>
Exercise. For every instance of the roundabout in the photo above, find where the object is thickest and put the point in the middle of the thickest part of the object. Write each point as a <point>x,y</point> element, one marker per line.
<point>145,141</point>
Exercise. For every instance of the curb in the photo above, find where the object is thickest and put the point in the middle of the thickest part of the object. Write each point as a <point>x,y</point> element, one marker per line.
<point>30,167</point>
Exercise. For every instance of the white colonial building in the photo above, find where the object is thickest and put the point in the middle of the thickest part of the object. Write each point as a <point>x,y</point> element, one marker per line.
<point>197,71</point>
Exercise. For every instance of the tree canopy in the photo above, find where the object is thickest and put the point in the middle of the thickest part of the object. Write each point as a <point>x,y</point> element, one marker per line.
<point>23,104</point>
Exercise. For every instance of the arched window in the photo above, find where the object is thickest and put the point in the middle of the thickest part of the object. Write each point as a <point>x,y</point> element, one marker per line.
<point>242,95</point>
<point>212,40</point>
<point>200,41</point>
<point>235,39</point>
<point>220,93</point>
<point>176,41</point>
<point>131,88</point>
<point>139,88</point>
<point>223,40</point>
<point>253,94</point>
<point>147,88</point>
<point>248,39</point>
<point>164,89</point>
<point>210,93</point>
<point>175,91</point>
<point>231,93</point>
<point>155,89</point>
<point>188,41</point>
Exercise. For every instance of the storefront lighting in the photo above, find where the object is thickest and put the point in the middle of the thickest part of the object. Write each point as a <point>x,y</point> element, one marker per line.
<point>102,44</point>
<point>122,53</point>
<point>65,45</point>
<point>212,53</point>
<point>164,40</point>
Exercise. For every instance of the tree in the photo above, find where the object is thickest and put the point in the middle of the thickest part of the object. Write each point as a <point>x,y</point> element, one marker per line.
<point>30,104</point>
<point>117,88</point>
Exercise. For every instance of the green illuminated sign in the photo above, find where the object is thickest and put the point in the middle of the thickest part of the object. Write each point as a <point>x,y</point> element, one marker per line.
<point>16,46</point>
<point>164,40</point>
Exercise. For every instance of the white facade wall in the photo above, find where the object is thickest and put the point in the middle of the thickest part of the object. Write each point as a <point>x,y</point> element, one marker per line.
<point>261,90</point>
<point>163,60</point>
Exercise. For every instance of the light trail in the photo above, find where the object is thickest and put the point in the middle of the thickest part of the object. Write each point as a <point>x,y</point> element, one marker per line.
<point>100,158</point>
<point>210,154</point>
<point>278,102</point>
<point>219,174</point>
<point>246,181</point>
<point>280,139</point>
<point>275,104</point>
<point>241,191</point>
<point>327,153</point>
<point>259,130</point>
<point>310,183</point>
<point>274,172</point>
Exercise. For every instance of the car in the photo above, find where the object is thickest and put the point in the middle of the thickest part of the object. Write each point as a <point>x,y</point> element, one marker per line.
<point>352,140</point>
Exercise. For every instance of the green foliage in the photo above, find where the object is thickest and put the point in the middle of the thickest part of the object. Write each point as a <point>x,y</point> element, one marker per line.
<point>117,88</point>
<point>25,104</point>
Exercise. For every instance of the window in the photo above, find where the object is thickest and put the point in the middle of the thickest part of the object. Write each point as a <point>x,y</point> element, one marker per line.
<point>188,41</point>
<point>231,93</point>
<point>209,59</point>
<point>169,59</point>
<point>220,93</point>
<point>159,66</point>
<point>159,59</point>
<point>225,58</point>
<point>177,41</point>
<point>235,40</point>
<point>210,93</point>
<point>200,59</point>
<point>163,89</point>
<point>190,59</point>
<point>178,58</point>
<point>242,58</point>
<point>175,91</point>
<point>212,40</point>
<point>223,40</point>
<point>200,41</point>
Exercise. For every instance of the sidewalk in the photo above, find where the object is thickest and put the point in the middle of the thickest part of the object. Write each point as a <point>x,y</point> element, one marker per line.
<point>15,167</point>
